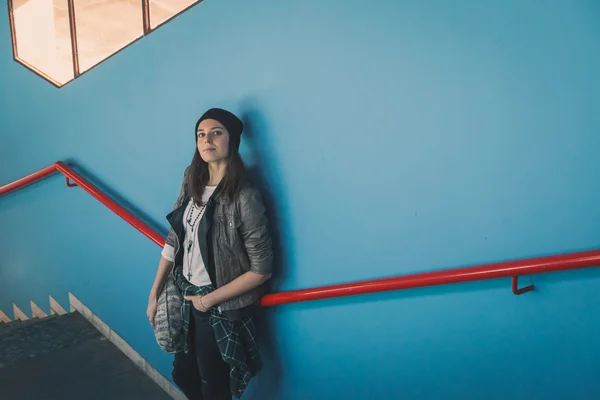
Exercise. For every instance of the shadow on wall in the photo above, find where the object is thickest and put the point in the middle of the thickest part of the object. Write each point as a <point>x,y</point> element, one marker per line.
<point>119,199</point>
<point>264,173</point>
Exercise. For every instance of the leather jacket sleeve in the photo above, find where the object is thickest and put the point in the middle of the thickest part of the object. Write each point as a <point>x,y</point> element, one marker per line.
<point>255,233</point>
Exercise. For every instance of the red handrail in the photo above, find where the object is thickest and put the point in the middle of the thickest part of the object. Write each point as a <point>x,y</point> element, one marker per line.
<point>513,269</point>
<point>505,269</point>
<point>69,173</point>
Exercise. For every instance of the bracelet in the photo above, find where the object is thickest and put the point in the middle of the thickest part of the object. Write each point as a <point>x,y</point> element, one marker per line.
<point>203,303</point>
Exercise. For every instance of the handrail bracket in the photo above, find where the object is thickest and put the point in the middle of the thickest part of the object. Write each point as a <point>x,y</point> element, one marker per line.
<point>69,184</point>
<point>516,290</point>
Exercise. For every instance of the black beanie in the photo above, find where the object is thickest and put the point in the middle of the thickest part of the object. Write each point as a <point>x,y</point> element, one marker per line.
<point>232,123</point>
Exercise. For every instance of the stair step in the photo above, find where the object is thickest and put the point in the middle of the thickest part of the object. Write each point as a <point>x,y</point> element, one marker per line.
<point>33,337</point>
<point>11,326</point>
<point>6,326</point>
<point>65,357</point>
<point>56,308</point>
<point>19,314</point>
<point>4,317</point>
<point>36,311</point>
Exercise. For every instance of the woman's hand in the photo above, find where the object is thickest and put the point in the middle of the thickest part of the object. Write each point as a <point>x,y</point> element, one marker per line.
<point>200,303</point>
<point>151,311</point>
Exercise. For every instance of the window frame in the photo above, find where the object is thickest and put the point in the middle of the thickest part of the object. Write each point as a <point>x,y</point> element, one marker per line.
<point>147,29</point>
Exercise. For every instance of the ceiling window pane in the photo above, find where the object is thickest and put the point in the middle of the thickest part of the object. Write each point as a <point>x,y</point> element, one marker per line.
<point>104,27</point>
<point>42,37</point>
<point>162,10</point>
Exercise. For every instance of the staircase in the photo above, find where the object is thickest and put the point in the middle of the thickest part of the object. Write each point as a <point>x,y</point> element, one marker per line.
<point>63,356</point>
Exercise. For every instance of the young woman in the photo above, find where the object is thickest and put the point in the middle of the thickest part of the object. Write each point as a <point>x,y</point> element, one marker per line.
<point>220,253</point>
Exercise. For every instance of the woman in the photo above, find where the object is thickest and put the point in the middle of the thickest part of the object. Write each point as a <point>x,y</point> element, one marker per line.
<point>220,253</point>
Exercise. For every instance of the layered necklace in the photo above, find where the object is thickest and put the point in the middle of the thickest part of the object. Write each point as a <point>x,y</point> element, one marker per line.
<point>191,234</point>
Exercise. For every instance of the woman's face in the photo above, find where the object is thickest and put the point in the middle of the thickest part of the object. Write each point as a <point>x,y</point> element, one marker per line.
<point>213,141</point>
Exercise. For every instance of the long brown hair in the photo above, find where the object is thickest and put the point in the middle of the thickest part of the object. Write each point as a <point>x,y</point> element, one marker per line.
<point>235,176</point>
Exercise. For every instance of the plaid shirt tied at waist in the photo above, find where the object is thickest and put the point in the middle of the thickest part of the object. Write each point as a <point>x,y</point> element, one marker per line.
<point>236,339</point>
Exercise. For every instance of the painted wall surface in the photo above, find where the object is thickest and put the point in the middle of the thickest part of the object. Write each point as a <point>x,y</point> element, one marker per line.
<point>389,137</point>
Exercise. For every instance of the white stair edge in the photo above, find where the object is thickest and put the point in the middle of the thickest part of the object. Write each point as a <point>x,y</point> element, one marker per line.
<point>20,315</point>
<point>56,308</point>
<point>76,305</point>
<point>37,312</point>
<point>4,317</point>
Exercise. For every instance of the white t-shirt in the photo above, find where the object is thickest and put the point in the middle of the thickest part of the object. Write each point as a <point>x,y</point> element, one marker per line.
<point>194,269</point>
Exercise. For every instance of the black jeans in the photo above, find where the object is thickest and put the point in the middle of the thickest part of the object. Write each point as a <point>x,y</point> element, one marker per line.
<point>202,374</point>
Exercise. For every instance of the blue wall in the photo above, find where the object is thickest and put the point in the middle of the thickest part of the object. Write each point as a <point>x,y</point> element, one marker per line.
<point>395,137</point>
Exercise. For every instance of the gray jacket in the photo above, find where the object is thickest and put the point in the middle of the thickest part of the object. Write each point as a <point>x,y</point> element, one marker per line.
<point>238,232</point>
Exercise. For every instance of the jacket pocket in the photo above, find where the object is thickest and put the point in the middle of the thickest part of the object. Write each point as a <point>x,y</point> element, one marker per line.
<point>230,222</point>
